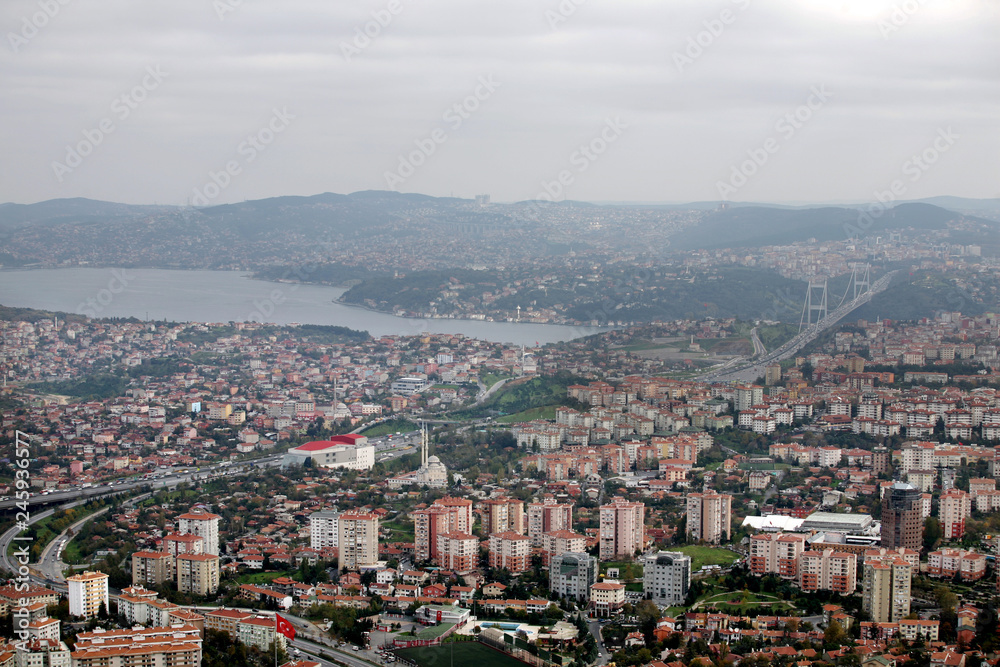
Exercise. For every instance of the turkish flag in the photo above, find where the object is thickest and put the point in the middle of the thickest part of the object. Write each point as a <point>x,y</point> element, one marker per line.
<point>284,627</point>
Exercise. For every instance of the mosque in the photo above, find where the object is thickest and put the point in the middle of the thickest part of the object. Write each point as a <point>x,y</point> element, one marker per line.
<point>431,472</point>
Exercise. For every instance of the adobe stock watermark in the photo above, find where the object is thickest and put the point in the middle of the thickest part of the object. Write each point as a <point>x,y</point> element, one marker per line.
<point>121,108</point>
<point>265,306</point>
<point>913,167</point>
<point>704,39</point>
<point>453,117</point>
<point>22,554</point>
<point>582,158</point>
<point>31,25</point>
<point>248,150</point>
<point>366,33</point>
<point>95,305</point>
<point>899,16</point>
<point>786,128</point>
<point>224,7</point>
<point>563,11</point>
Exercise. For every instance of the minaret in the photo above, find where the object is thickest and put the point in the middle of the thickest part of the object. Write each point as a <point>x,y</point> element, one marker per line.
<point>423,446</point>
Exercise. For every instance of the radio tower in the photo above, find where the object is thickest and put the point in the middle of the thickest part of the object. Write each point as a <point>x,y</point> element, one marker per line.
<point>813,305</point>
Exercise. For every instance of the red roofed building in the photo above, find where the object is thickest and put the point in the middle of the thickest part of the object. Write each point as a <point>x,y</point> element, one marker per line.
<point>349,451</point>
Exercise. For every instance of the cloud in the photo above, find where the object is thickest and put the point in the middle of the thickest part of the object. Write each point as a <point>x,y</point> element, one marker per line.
<point>561,81</point>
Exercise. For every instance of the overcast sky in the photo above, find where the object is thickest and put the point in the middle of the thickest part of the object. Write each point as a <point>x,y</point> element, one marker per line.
<point>672,97</point>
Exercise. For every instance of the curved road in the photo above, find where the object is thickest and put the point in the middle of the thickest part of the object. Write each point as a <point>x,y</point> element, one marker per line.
<point>81,496</point>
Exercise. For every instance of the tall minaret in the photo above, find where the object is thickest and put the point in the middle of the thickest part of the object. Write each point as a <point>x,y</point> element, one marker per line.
<point>423,445</point>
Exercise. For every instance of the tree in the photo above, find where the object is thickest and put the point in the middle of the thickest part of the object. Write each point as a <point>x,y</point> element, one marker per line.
<point>932,533</point>
<point>945,598</point>
<point>834,635</point>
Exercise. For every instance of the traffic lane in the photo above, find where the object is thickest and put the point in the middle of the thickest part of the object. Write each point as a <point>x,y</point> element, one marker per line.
<point>348,657</point>
<point>109,489</point>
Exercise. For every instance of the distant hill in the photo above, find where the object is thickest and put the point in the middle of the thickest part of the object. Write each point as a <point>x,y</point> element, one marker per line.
<point>751,227</point>
<point>961,203</point>
<point>912,295</point>
<point>324,214</point>
<point>78,209</point>
<point>383,230</point>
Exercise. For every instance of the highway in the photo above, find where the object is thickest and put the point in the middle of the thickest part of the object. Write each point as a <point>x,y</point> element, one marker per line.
<point>50,565</point>
<point>47,572</point>
<point>755,369</point>
<point>758,347</point>
<point>163,480</point>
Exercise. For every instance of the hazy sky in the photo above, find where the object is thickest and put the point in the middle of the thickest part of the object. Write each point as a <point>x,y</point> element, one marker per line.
<point>141,101</point>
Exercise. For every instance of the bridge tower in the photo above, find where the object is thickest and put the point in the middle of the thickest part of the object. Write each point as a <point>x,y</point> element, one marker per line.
<point>815,304</point>
<point>862,279</point>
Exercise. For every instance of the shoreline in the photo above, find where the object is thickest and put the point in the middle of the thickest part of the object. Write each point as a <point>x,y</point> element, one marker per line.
<point>597,329</point>
<point>95,278</point>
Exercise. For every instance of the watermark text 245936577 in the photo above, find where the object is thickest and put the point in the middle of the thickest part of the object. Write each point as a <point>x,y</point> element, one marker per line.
<point>22,554</point>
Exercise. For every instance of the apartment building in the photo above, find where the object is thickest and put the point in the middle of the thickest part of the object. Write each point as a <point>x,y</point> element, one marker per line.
<point>709,517</point>
<point>323,529</point>
<point>954,508</point>
<point>559,542</point>
<point>510,550</point>
<point>357,535</point>
<point>204,524</point>
<point>666,577</point>
<point>171,646</point>
<point>548,516</point>
<point>828,570</point>
<point>198,574</point>
<point>447,515</point>
<point>88,591</point>
<point>504,515</point>
<point>571,574</point>
<point>774,553</point>
<point>151,568</point>
<point>886,588</point>
<point>947,563</point>
<point>622,529</point>
<point>459,552</point>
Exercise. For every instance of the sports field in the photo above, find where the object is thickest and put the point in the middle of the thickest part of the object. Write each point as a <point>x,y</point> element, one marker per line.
<point>466,653</point>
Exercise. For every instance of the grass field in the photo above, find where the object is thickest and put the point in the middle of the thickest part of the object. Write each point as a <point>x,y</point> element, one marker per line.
<point>434,631</point>
<point>701,556</point>
<point>490,379</point>
<point>741,602</point>
<point>389,428</point>
<point>262,577</point>
<point>465,653</point>
<point>402,530</point>
<point>545,412</point>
